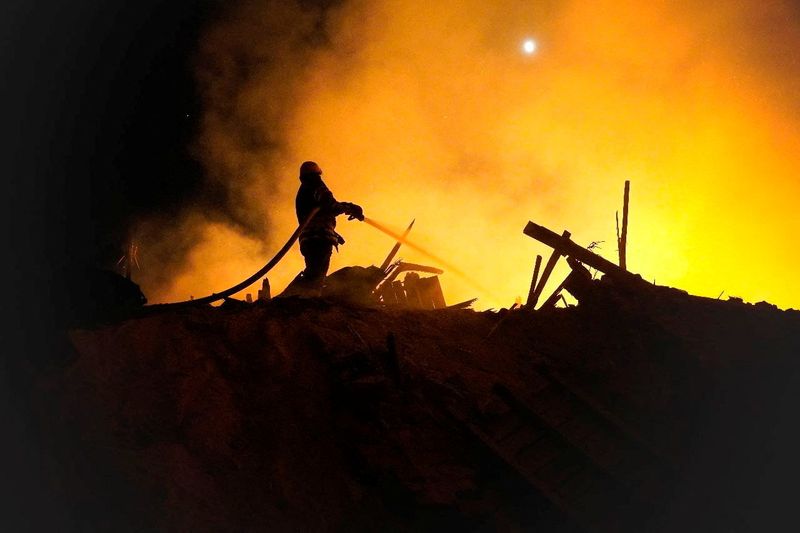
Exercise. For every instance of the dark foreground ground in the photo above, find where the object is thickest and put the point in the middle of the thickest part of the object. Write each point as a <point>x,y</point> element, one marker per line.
<point>662,413</point>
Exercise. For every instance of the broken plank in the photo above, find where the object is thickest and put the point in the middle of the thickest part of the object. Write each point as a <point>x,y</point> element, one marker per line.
<point>411,285</point>
<point>623,239</point>
<point>551,301</point>
<point>548,268</point>
<point>568,248</point>
<point>386,262</point>
<point>531,301</point>
<point>463,305</point>
<point>436,292</point>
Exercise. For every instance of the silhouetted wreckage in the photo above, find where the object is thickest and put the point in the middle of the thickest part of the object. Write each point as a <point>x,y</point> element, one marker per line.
<point>578,259</point>
<point>382,286</point>
<point>374,287</point>
<point>598,413</point>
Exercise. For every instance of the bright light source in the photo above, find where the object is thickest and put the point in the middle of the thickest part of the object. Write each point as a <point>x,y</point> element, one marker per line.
<point>529,46</point>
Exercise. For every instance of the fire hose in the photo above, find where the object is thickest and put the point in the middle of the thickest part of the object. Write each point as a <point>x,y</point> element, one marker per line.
<point>252,279</point>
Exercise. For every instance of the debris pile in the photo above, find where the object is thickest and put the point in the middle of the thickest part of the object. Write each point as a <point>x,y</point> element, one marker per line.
<point>625,413</point>
<point>379,407</point>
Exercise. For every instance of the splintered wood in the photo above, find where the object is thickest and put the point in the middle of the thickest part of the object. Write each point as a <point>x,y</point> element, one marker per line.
<point>564,246</point>
<point>413,292</point>
<point>622,238</point>
<point>531,302</point>
<point>575,254</point>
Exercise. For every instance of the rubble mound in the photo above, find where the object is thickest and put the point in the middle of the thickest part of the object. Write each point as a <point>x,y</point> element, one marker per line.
<point>626,413</point>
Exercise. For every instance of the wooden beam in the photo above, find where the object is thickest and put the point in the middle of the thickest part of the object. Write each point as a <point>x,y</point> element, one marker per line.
<point>264,293</point>
<point>436,293</point>
<point>399,293</point>
<point>531,301</point>
<point>410,284</point>
<point>579,282</point>
<point>548,268</point>
<point>551,301</point>
<point>623,239</point>
<point>405,267</point>
<point>566,247</point>
<point>425,292</point>
<point>463,305</point>
<point>395,248</point>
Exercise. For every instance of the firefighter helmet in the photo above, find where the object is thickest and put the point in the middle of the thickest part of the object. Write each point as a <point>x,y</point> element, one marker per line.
<point>310,167</point>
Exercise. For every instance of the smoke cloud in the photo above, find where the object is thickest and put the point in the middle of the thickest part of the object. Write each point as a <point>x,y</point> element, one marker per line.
<point>430,110</point>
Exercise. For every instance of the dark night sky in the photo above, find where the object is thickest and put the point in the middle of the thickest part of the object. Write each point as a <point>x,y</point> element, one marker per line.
<point>99,99</point>
<point>94,98</point>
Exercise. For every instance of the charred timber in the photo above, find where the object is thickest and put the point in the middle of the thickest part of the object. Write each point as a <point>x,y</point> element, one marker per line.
<point>548,269</point>
<point>623,240</point>
<point>531,302</point>
<point>405,267</point>
<point>565,246</point>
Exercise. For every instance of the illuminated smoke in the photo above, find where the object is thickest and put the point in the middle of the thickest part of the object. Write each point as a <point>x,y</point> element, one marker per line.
<point>430,110</point>
<point>431,256</point>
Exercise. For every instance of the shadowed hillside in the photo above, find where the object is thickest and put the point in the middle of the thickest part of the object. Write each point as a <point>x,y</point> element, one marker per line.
<point>636,410</point>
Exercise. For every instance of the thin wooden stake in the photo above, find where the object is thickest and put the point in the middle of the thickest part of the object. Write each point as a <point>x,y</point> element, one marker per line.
<point>436,293</point>
<point>395,248</point>
<point>548,268</point>
<point>623,240</point>
<point>531,301</point>
<point>579,253</point>
<point>551,302</point>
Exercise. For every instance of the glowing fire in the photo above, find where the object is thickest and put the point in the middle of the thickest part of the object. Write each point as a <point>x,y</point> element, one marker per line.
<point>427,110</point>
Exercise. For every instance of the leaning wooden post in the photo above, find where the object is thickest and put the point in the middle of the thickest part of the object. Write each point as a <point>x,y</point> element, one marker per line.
<point>436,293</point>
<point>548,268</point>
<point>264,293</point>
<point>531,301</point>
<point>411,285</point>
<point>395,248</point>
<point>579,253</point>
<point>623,239</point>
<point>551,302</point>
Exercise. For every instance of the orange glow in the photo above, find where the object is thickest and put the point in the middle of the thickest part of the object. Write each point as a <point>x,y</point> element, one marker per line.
<point>428,110</point>
<point>431,256</point>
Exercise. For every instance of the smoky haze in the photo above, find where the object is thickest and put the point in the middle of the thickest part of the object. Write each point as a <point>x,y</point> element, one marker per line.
<point>430,110</point>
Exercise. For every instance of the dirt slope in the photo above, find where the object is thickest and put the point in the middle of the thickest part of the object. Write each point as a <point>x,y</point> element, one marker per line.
<point>307,415</point>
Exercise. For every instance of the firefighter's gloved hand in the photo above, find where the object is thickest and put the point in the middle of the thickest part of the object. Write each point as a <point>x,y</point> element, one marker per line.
<point>354,211</point>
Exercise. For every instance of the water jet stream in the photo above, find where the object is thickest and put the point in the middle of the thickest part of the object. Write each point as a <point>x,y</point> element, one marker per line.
<point>449,266</point>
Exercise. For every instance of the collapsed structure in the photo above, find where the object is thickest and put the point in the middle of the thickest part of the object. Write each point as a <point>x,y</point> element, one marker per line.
<point>640,409</point>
